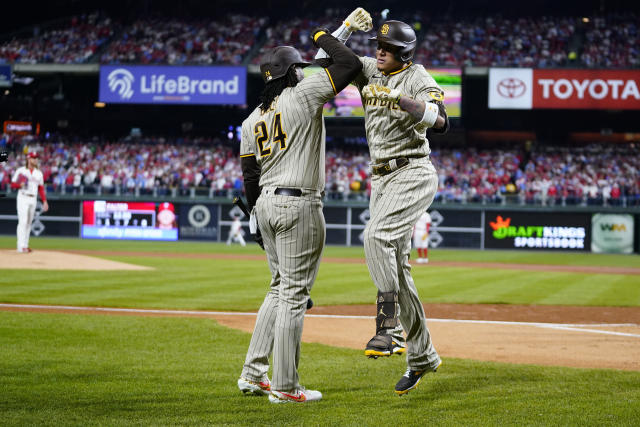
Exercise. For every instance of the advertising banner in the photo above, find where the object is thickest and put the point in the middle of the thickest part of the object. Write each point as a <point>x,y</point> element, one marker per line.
<point>128,220</point>
<point>612,233</point>
<point>13,127</point>
<point>173,85</point>
<point>510,88</point>
<point>198,222</point>
<point>518,88</point>
<point>62,219</point>
<point>537,231</point>
<point>5,76</point>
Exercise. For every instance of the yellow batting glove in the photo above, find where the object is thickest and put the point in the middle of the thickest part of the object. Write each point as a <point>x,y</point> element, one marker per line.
<point>359,20</point>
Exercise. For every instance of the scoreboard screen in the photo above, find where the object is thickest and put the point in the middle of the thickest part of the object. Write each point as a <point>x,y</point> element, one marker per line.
<point>128,220</point>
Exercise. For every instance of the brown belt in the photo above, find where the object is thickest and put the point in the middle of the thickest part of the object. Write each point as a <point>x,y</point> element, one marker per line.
<point>390,166</point>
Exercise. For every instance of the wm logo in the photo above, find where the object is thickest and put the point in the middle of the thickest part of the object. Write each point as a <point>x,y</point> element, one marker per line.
<point>613,227</point>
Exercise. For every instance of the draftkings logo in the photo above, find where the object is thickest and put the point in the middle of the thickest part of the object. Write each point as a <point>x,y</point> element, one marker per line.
<point>538,236</point>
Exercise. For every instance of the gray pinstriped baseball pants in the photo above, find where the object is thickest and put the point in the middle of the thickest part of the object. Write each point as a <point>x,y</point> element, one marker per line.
<point>293,229</point>
<point>397,201</point>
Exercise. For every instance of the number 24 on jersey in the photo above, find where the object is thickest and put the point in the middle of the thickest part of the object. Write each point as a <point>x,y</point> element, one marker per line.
<point>278,135</point>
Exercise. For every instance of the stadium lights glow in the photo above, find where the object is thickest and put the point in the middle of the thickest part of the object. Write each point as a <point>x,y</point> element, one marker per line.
<point>99,104</point>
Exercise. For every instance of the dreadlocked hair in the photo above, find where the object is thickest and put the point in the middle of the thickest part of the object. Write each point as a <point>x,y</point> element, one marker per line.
<point>275,88</point>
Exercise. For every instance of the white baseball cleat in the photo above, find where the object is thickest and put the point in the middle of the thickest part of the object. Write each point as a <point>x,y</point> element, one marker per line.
<point>300,395</point>
<point>260,388</point>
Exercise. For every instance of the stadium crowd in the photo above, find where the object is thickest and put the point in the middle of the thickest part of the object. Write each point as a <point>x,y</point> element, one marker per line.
<point>171,41</point>
<point>76,42</point>
<point>496,41</point>
<point>612,42</point>
<point>609,40</point>
<point>296,33</point>
<point>596,174</point>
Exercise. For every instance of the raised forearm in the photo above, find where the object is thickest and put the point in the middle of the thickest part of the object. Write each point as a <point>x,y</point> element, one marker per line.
<point>416,109</point>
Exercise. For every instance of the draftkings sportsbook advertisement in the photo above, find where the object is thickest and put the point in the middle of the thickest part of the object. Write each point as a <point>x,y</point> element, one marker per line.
<point>537,231</point>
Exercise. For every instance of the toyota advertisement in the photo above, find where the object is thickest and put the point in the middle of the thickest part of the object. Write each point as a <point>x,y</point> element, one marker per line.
<point>173,85</point>
<point>539,231</point>
<point>525,89</point>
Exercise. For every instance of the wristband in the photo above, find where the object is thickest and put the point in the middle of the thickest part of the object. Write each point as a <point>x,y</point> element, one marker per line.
<point>317,35</point>
<point>430,114</point>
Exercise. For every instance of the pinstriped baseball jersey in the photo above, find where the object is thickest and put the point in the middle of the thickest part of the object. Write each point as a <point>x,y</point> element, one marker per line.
<point>399,198</point>
<point>405,138</point>
<point>288,140</point>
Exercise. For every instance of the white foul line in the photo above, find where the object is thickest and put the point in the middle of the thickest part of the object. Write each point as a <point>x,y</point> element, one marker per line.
<point>559,326</point>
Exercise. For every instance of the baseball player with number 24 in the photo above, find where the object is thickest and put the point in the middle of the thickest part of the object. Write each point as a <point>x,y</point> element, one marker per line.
<point>401,101</point>
<point>283,164</point>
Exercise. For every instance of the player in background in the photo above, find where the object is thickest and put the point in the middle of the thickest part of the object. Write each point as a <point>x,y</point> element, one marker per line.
<point>421,237</point>
<point>29,182</point>
<point>401,101</point>
<point>282,156</point>
<point>236,233</point>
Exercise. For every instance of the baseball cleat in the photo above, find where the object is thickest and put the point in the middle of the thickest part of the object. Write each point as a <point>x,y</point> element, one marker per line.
<point>383,346</point>
<point>411,379</point>
<point>260,388</point>
<point>300,395</point>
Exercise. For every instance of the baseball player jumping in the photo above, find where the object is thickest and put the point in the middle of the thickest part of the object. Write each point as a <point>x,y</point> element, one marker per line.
<point>401,101</point>
<point>283,163</point>
<point>29,182</point>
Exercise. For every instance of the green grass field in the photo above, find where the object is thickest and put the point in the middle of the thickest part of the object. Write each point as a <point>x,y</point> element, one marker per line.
<point>69,369</point>
<point>223,284</point>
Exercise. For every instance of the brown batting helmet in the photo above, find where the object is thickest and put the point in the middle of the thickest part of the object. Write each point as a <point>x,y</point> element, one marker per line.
<point>399,34</point>
<point>276,62</point>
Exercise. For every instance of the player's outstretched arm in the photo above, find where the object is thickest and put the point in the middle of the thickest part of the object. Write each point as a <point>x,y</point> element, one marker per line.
<point>346,64</point>
<point>358,20</point>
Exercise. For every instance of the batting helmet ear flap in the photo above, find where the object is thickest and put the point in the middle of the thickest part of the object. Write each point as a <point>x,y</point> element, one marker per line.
<point>399,34</point>
<point>276,62</point>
